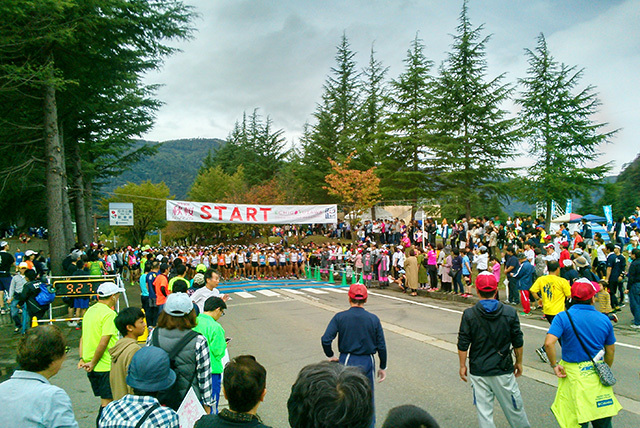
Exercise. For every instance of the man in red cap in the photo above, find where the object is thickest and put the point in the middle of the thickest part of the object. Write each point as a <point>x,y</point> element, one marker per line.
<point>360,336</point>
<point>491,329</point>
<point>586,335</point>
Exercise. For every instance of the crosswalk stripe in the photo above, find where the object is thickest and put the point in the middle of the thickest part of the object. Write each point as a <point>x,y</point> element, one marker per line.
<point>267,293</point>
<point>245,295</point>
<point>336,290</point>
<point>314,291</point>
<point>294,291</point>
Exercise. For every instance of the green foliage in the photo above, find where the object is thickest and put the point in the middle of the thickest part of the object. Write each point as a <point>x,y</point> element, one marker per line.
<point>624,194</point>
<point>563,139</point>
<point>214,185</point>
<point>474,136</point>
<point>410,127</point>
<point>149,207</point>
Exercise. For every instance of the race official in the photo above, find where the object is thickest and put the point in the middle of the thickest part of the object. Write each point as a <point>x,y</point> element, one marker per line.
<point>360,336</point>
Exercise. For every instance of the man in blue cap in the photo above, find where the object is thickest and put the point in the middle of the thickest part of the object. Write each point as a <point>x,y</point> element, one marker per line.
<point>149,373</point>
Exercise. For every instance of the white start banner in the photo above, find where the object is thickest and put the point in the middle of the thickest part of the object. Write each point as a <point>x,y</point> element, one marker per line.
<point>212,212</point>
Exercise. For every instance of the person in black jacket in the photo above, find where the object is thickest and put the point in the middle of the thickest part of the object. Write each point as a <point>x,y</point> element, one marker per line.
<point>491,329</point>
<point>27,298</point>
<point>634,287</point>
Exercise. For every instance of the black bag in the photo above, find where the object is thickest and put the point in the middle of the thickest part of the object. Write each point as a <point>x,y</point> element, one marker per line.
<point>602,369</point>
<point>172,397</point>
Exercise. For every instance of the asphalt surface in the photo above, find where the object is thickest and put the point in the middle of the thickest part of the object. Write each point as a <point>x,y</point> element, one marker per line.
<point>281,325</point>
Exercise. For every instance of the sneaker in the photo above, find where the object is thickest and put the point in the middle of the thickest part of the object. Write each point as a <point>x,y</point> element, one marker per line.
<point>3,311</point>
<point>72,324</point>
<point>635,326</point>
<point>524,314</point>
<point>614,317</point>
<point>542,354</point>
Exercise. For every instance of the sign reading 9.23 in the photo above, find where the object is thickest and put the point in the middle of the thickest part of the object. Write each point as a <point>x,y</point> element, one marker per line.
<point>77,287</point>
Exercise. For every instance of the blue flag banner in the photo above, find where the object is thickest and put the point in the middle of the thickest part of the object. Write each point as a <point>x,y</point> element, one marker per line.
<point>569,206</point>
<point>608,214</point>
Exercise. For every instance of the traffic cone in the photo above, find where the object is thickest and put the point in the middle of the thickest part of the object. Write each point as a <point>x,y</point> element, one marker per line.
<point>308,269</point>
<point>331,275</point>
<point>318,277</point>
<point>344,278</point>
<point>34,322</point>
<point>361,279</point>
<point>353,277</point>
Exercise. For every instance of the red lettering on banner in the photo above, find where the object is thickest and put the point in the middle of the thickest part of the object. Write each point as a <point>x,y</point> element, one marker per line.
<point>235,215</point>
<point>265,211</point>
<point>206,214</point>
<point>219,208</point>
<point>251,213</point>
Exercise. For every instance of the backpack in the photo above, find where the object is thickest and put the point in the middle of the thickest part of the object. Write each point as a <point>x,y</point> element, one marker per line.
<point>94,269</point>
<point>172,397</point>
<point>46,295</point>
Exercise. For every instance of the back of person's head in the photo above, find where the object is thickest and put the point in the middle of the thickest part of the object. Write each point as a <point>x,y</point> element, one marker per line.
<point>610,246</point>
<point>180,286</point>
<point>409,416</point>
<point>127,316</point>
<point>30,274</point>
<point>244,383</point>
<point>164,267</point>
<point>39,347</point>
<point>213,303</point>
<point>553,265</point>
<point>329,395</point>
<point>147,267</point>
<point>636,253</point>
<point>180,269</point>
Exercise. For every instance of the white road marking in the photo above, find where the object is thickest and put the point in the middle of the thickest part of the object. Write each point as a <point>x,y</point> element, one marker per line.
<point>336,290</point>
<point>292,290</point>
<point>245,295</point>
<point>267,293</point>
<point>314,291</point>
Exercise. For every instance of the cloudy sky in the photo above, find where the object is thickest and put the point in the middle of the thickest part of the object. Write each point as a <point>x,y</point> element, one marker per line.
<point>275,55</point>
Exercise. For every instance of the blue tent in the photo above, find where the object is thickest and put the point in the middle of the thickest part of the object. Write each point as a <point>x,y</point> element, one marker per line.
<point>591,218</point>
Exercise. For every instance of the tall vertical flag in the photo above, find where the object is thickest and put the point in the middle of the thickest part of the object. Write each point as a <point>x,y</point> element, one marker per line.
<point>569,206</point>
<point>608,213</point>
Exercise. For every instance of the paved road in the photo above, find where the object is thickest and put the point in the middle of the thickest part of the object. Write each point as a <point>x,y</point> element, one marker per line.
<point>282,328</point>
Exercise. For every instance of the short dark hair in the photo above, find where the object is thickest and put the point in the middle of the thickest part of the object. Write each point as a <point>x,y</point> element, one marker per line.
<point>209,273</point>
<point>487,294</point>
<point>39,347</point>
<point>180,285</point>
<point>553,265</point>
<point>213,303</point>
<point>610,246</point>
<point>164,267</point>
<point>30,274</point>
<point>636,253</point>
<point>181,269</point>
<point>127,316</point>
<point>409,416</point>
<point>244,381</point>
<point>328,394</point>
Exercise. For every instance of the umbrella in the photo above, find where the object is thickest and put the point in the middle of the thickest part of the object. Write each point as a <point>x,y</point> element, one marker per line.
<point>567,218</point>
<point>591,218</point>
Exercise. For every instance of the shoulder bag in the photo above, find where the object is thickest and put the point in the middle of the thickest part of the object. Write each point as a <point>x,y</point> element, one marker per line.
<point>602,368</point>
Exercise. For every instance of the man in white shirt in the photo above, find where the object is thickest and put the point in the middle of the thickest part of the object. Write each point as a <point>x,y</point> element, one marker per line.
<point>210,289</point>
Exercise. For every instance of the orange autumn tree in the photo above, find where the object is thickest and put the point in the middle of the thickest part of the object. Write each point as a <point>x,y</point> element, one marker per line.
<point>357,190</point>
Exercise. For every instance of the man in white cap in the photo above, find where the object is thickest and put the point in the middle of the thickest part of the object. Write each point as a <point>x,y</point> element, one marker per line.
<point>99,333</point>
<point>7,262</point>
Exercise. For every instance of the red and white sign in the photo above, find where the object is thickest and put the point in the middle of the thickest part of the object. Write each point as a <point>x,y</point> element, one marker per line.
<point>211,212</point>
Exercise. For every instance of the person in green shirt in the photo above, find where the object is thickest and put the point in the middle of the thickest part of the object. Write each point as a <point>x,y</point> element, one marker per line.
<point>181,272</point>
<point>209,327</point>
<point>99,333</point>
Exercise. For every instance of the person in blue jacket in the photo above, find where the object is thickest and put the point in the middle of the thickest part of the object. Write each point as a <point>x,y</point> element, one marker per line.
<point>525,276</point>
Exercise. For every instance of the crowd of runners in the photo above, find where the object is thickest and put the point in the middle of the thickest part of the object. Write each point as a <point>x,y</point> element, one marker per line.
<point>181,306</point>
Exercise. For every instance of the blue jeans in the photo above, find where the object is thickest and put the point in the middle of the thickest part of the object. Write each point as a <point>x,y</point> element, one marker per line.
<point>19,320</point>
<point>216,380</point>
<point>457,282</point>
<point>634,302</point>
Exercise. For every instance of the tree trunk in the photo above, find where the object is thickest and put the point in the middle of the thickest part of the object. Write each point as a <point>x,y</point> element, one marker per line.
<point>67,225</point>
<point>547,219</point>
<point>55,176</point>
<point>88,201</point>
<point>82,220</point>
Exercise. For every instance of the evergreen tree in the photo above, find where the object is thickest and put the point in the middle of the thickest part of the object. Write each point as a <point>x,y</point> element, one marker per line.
<point>563,139</point>
<point>370,129</point>
<point>333,134</point>
<point>475,138</point>
<point>410,127</point>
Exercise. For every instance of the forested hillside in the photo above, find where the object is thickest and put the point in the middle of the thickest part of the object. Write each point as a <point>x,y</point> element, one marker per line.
<point>176,163</point>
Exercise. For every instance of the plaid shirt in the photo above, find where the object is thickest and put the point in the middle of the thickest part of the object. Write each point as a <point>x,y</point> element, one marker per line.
<point>127,412</point>
<point>203,370</point>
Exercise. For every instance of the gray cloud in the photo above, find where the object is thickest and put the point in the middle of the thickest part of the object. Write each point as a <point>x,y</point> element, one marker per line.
<point>276,55</point>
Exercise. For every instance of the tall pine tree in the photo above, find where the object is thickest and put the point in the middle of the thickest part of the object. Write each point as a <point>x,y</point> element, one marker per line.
<point>563,138</point>
<point>475,137</point>
<point>410,128</point>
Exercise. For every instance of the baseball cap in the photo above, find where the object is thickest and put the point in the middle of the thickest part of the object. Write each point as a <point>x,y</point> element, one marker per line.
<point>583,289</point>
<point>549,246</point>
<point>107,289</point>
<point>486,282</point>
<point>565,244</point>
<point>23,265</point>
<point>178,305</point>
<point>3,244</point>
<point>76,254</point>
<point>358,292</point>
<point>578,251</point>
<point>29,253</point>
<point>567,262</point>
<point>150,370</point>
